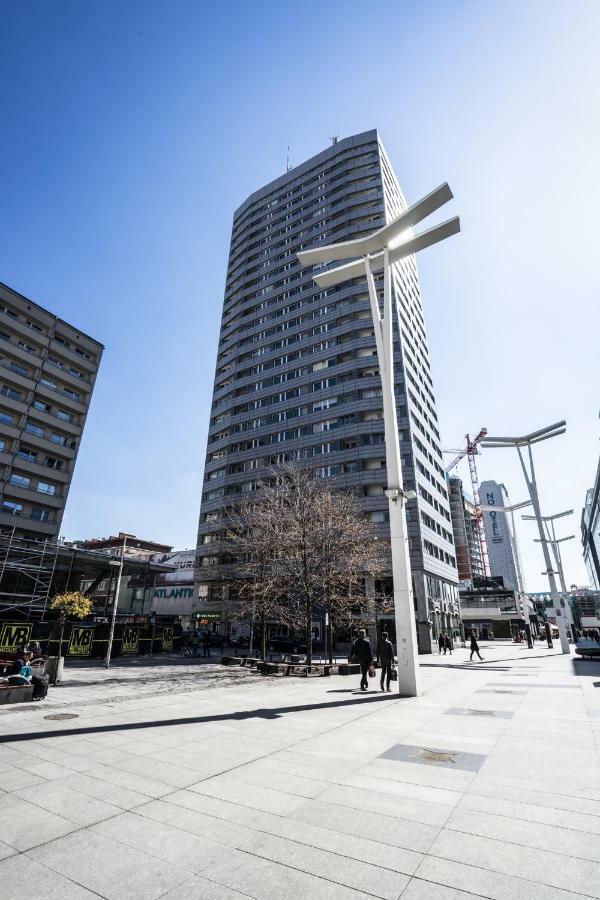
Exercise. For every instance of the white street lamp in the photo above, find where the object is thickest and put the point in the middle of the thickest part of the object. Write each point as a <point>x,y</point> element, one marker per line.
<point>379,251</point>
<point>526,441</point>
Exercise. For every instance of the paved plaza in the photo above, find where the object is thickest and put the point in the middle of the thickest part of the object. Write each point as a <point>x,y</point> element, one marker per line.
<point>187,781</point>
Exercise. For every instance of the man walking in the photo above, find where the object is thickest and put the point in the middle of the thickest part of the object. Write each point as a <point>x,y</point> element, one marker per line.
<point>474,647</point>
<point>361,650</point>
<point>206,643</point>
<point>447,644</point>
<point>386,655</point>
<point>441,641</point>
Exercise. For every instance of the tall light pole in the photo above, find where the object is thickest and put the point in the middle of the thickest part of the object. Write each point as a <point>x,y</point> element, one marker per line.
<point>376,252</point>
<point>115,604</point>
<point>554,542</point>
<point>525,442</point>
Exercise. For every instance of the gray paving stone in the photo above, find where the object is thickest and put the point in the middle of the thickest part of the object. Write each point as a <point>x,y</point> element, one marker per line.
<point>377,802</point>
<point>23,825</point>
<point>226,788</point>
<point>266,880</point>
<point>111,869</point>
<point>202,889</point>
<point>129,781</point>
<point>385,829</point>
<point>20,875</point>
<point>55,797</point>
<point>117,796</point>
<point>474,879</point>
<point>14,779</point>
<point>426,890</point>
<point>538,866</point>
<point>169,843</point>
<point>527,833</point>
<point>567,817</point>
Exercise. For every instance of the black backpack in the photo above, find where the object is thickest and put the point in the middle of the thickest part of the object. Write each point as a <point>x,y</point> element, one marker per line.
<point>40,686</point>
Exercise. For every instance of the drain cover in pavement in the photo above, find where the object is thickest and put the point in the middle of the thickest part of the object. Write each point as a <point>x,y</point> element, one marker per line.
<point>470,762</point>
<point>60,717</point>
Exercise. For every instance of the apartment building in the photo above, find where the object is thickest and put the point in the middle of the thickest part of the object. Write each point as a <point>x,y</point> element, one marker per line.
<point>47,373</point>
<point>469,556</point>
<point>297,376</point>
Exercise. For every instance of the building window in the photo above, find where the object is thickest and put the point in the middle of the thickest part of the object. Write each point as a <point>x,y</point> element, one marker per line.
<point>10,392</point>
<point>53,463</point>
<point>34,429</point>
<point>64,415</point>
<point>29,455</point>
<point>20,370</point>
<point>40,515</point>
<point>58,439</point>
<point>72,394</point>
<point>6,418</point>
<point>43,407</point>
<point>20,480</point>
<point>14,509</point>
<point>46,488</point>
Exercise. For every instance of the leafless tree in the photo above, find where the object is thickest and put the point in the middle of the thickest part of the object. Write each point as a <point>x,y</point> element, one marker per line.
<point>302,549</point>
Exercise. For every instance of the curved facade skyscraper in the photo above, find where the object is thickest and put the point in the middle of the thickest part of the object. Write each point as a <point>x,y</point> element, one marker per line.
<point>296,373</point>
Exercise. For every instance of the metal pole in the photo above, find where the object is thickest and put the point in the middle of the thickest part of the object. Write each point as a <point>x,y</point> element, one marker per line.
<point>115,605</point>
<point>533,493</point>
<point>406,639</point>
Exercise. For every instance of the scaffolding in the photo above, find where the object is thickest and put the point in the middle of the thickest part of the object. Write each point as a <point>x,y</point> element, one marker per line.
<point>26,572</point>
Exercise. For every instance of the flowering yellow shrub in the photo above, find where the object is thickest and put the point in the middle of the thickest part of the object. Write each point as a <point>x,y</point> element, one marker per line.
<point>73,605</point>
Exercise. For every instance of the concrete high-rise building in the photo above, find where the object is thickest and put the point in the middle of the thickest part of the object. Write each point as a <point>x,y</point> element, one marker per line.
<point>590,532</point>
<point>47,374</point>
<point>501,538</point>
<point>469,557</point>
<point>297,377</point>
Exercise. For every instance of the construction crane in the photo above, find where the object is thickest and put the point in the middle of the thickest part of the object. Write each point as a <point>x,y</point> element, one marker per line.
<point>471,451</point>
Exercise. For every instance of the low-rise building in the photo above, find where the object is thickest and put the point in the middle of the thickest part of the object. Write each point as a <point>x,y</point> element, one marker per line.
<point>495,610</point>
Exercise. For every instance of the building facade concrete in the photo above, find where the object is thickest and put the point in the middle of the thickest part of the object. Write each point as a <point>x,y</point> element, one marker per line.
<point>48,370</point>
<point>469,557</point>
<point>501,538</point>
<point>297,378</point>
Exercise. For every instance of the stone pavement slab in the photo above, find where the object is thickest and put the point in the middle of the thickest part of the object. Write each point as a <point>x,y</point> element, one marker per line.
<point>179,780</point>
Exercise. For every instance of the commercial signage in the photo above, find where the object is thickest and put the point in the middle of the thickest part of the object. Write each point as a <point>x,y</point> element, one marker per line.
<point>13,635</point>
<point>206,616</point>
<point>167,638</point>
<point>130,640</point>
<point>173,593</point>
<point>80,641</point>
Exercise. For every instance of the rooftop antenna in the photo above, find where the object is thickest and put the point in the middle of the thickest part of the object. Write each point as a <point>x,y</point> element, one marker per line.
<point>288,164</point>
<point>334,139</point>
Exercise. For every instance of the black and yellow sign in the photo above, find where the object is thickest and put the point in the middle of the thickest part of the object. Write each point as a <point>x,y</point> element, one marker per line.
<point>167,638</point>
<point>13,635</point>
<point>130,640</point>
<point>80,641</point>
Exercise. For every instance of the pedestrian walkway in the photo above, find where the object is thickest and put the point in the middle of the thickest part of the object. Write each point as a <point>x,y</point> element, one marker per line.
<point>487,785</point>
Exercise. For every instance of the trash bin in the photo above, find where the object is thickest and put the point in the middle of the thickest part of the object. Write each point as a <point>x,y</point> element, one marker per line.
<point>54,668</point>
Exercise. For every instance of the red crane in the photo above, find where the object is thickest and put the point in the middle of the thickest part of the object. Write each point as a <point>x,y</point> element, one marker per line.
<point>471,451</point>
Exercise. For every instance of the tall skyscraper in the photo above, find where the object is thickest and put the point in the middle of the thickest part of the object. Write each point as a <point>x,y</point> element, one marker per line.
<point>297,377</point>
<point>47,374</point>
<point>469,556</point>
<point>500,536</point>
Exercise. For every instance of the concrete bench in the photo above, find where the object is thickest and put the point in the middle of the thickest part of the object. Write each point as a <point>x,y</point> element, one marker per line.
<point>306,670</point>
<point>15,693</point>
<point>349,669</point>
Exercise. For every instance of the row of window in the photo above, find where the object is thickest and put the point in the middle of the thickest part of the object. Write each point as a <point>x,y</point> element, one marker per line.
<point>24,481</point>
<point>14,394</point>
<point>433,550</point>
<point>11,314</point>
<point>16,509</point>
<point>435,526</point>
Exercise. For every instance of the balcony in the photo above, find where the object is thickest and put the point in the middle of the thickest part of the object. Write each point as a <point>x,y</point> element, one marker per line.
<point>26,523</point>
<point>33,496</point>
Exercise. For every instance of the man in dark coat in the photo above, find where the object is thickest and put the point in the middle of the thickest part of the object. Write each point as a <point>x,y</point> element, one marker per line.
<point>441,641</point>
<point>386,655</point>
<point>474,646</point>
<point>447,644</point>
<point>361,648</point>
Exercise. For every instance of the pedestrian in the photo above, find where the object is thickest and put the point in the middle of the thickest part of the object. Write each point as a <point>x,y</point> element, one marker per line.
<point>474,647</point>
<point>361,651</point>
<point>441,641</point>
<point>447,644</point>
<point>195,641</point>
<point>386,655</point>
<point>206,643</point>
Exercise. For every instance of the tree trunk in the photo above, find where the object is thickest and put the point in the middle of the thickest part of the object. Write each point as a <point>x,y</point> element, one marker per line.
<point>309,633</point>
<point>330,640</point>
<point>263,636</point>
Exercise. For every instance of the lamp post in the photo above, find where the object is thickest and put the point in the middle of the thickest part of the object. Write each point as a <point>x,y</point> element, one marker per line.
<point>554,543</point>
<point>525,442</point>
<point>376,252</point>
<point>512,534</point>
<point>115,604</point>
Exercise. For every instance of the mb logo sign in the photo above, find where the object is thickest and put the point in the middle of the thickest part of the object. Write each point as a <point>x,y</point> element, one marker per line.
<point>130,640</point>
<point>80,641</point>
<point>14,636</point>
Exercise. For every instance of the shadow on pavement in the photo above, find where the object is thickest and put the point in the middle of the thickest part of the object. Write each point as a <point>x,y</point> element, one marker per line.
<point>275,713</point>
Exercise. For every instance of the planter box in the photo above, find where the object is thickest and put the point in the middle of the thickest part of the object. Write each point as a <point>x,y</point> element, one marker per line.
<point>16,693</point>
<point>349,669</point>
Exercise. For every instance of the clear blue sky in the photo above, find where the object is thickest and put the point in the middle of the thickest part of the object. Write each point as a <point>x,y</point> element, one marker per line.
<point>131,131</point>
